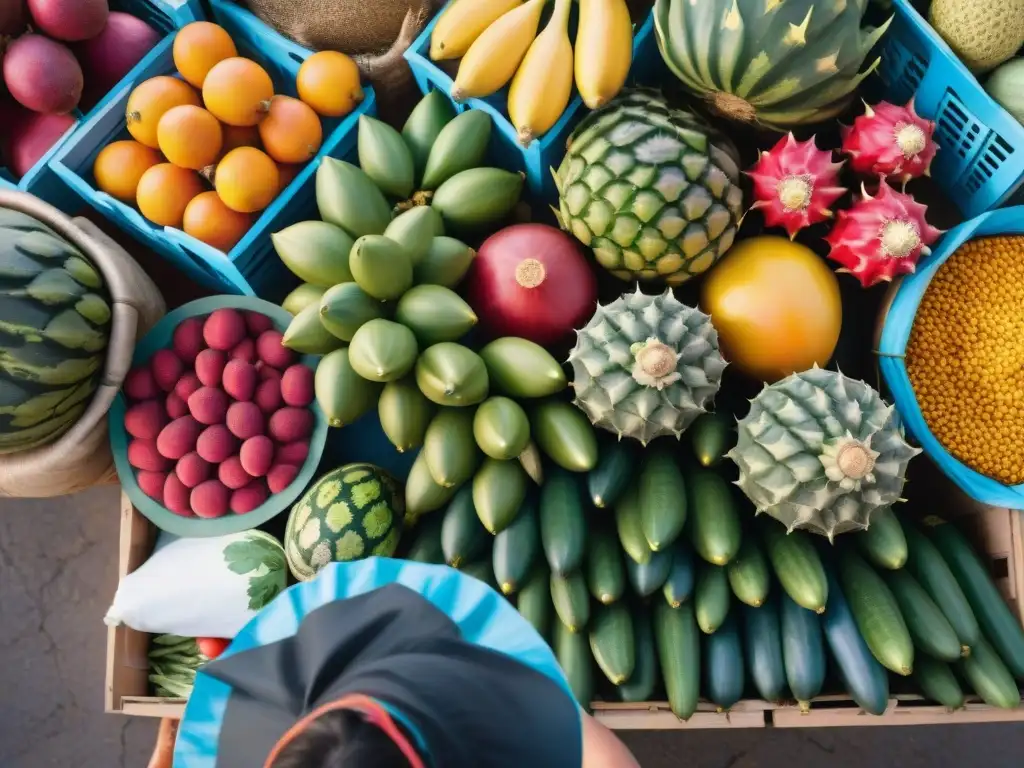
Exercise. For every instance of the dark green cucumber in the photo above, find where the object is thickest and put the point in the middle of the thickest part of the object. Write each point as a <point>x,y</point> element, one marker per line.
<point>571,599</point>
<point>748,573</point>
<point>711,436</point>
<point>928,567</point>
<point>612,642</point>
<point>714,517</point>
<point>649,577</point>
<point>723,665</point>
<point>515,548</point>
<point>762,639</point>
<point>606,575</point>
<point>662,499</point>
<point>884,543</point>
<point>563,528</point>
<point>426,546</point>
<point>803,650</point>
<point>627,525</point>
<point>573,653</point>
<point>481,569</point>
<point>711,597</point>
<point>463,537</point>
<point>641,684</point>
<point>616,467</point>
<point>999,625</point>
<point>929,628</point>
<point>534,600</point>
<point>864,679</point>
<point>679,584</point>
<point>877,613</point>
<point>678,642</point>
<point>937,682</point>
<point>989,676</point>
<point>797,565</point>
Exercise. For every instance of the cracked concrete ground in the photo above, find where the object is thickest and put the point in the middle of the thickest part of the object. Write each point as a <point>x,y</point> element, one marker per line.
<point>58,569</point>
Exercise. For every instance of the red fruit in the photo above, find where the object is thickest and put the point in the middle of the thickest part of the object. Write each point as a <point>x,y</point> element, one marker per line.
<point>193,469</point>
<point>882,236</point>
<point>232,474</point>
<point>270,351</point>
<point>188,342</point>
<point>69,19</point>
<point>297,386</point>
<point>249,498</point>
<point>43,75</point>
<point>257,455</point>
<point>32,136</point>
<point>293,453</point>
<point>795,183</point>
<point>152,484</point>
<point>210,367</point>
<point>890,141</point>
<point>531,280</point>
<point>212,647</point>
<point>186,385</point>
<point>281,476</point>
<point>143,454</point>
<point>210,499</point>
<point>167,369</point>
<point>245,420</point>
<point>176,407</point>
<point>290,424</point>
<point>268,395</point>
<point>146,419</point>
<point>240,379</point>
<point>267,372</point>
<point>246,350</point>
<point>257,323</point>
<point>139,384</point>
<point>179,437</point>
<point>224,329</point>
<point>216,444</point>
<point>111,54</point>
<point>176,496</point>
<point>208,405</point>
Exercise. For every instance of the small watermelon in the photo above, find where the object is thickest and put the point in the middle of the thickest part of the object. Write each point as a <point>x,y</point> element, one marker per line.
<point>349,514</point>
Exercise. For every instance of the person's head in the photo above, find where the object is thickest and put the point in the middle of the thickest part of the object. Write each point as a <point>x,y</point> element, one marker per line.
<point>341,739</point>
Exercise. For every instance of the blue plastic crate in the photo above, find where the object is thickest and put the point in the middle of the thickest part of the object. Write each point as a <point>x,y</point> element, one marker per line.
<point>543,153</point>
<point>251,268</point>
<point>981,156</point>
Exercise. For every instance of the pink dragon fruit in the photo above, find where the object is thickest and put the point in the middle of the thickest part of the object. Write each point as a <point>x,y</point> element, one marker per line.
<point>890,141</point>
<point>880,237</point>
<point>795,183</point>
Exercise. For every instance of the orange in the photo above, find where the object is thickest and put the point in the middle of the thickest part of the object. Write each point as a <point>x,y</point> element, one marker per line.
<point>247,180</point>
<point>165,191</point>
<point>238,91</point>
<point>329,82</point>
<point>190,137</point>
<point>236,136</point>
<point>291,131</point>
<point>286,173</point>
<point>150,100</point>
<point>119,166</point>
<point>208,220</point>
<point>198,47</point>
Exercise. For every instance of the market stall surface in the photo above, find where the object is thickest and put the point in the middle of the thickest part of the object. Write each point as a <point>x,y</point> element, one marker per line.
<point>58,570</point>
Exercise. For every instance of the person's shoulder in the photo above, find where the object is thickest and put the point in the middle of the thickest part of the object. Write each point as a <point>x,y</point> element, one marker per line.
<point>602,748</point>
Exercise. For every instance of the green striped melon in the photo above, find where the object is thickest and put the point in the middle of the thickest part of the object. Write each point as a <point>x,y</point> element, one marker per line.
<point>54,329</point>
<point>349,514</point>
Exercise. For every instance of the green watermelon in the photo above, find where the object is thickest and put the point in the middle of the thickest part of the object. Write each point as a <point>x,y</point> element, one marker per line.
<point>349,514</point>
<point>54,329</point>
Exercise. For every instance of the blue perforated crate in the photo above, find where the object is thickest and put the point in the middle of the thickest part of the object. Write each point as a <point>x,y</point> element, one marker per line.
<point>981,157</point>
<point>251,268</point>
<point>545,152</point>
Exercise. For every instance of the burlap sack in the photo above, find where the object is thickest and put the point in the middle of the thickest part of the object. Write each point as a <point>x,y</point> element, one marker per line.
<point>81,458</point>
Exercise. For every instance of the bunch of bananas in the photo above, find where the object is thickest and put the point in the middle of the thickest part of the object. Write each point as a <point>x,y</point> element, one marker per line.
<point>498,42</point>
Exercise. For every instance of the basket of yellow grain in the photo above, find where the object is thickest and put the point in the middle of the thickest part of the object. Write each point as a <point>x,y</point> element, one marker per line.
<point>951,351</point>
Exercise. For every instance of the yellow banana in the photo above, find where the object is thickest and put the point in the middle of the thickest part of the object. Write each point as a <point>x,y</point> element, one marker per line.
<point>462,23</point>
<point>604,50</point>
<point>494,57</point>
<point>541,88</point>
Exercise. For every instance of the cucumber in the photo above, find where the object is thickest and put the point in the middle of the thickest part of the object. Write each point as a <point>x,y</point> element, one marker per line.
<point>762,639</point>
<point>803,650</point>
<point>426,547</point>
<point>864,679</point>
<point>928,567</point>
<point>714,517</point>
<point>573,654</point>
<point>565,435</point>
<point>641,684</point>
<point>937,682</point>
<point>627,524</point>
<point>662,500</point>
<point>723,665</point>
<point>482,570</point>
<point>677,640</point>
<point>989,676</point>
<point>571,600</point>
<point>606,575</point>
<point>463,538</point>
<point>711,597</point>
<point>999,626</point>
<point>929,628</point>
<point>563,529</point>
<point>679,584</point>
<point>649,577</point>
<point>534,600</point>
<point>612,642</point>
<point>796,564</point>
<point>616,467</point>
<point>884,543</point>
<point>877,613</point>
<point>711,436</point>
<point>748,573</point>
<point>515,548</point>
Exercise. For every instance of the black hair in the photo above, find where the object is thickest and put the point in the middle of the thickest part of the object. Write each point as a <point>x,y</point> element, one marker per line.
<point>341,739</point>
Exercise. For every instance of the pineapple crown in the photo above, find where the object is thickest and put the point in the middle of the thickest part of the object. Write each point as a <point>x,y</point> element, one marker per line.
<point>821,451</point>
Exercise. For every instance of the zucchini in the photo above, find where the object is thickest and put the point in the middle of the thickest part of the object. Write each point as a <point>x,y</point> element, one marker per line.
<point>612,642</point>
<point>534,600</point>
<point>711,597</point>
<point>714,517</point>
<point>711,436</point>
<point>426,547</point>
<point>649,577</point>
<point>662,500</point>
<point>762,639</point>
<point>989,676</point>
<point>748,573</point>
<point>616,467</point>
<point>606,575</point>
<point>515,548</point>
<point>678,642</point>
<point>563,528</point>
<point>641,684</point>
<point>937,682</point>
<point>679,584</point>
<point>884,543</point>
<point>797,565</point>
<point>929,628</point>
<point>723,665</point>
<point>463,537</point>
<point>571,600</point>
<point>573,654</point>
<point>803,650</point>
<point>627,524</point>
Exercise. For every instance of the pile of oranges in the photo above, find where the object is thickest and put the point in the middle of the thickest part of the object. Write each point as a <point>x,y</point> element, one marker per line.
<point>220,124</point>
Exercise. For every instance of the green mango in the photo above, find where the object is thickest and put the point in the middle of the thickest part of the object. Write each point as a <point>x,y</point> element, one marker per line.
<point>348,198</point>
<point>303,296</point>
<point>307,335</point>
<point>434,314</point>
<point>404,413</point>
<point>501,428</point>
<point>461,145</point>
<point>422,494</point>
<point>424,125</point>
<point>565,435</point>
<point>499,488</point>
<point>316,252</point>
<point>382,350</point>
<point>414,230</point>
<point>381,267</point>
<point>448,447</point>
<point>478,198</point>
<point>385,157</point>
<point>532,462</point>
<point>445,263</point>
<point>521,368</point>
<point>343,395</point>
<point>345,307</point>
<point>451,374</point>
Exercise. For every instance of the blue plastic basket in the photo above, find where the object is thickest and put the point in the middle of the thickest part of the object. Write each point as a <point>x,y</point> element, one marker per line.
<point>981,157</point>
<point>251,268</point>
<point>543,153</point>
<point>897,323</point>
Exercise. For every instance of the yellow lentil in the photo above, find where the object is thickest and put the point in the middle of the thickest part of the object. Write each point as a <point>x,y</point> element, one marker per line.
<point>965,356</point>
